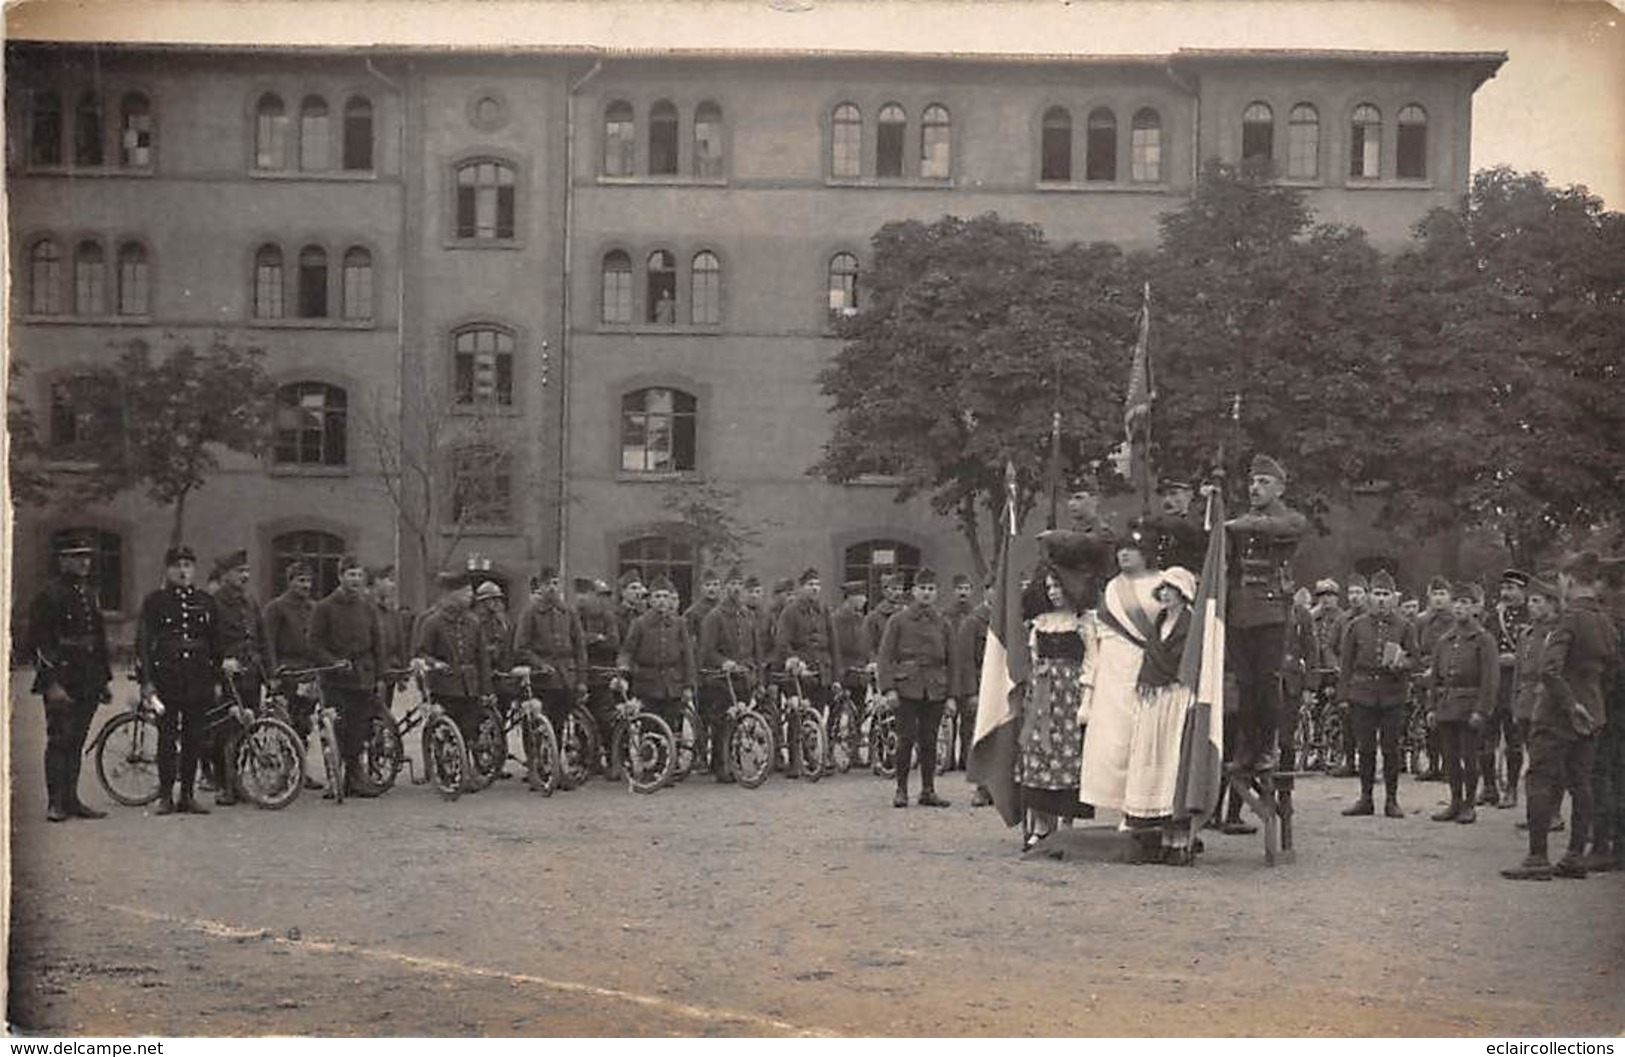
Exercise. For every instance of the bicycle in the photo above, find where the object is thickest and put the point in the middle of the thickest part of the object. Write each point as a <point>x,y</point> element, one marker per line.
<point>690,734</point>
<point>843,724</point>
<point>126,753</point>
<point>445,756</point>
<point>266,766</point>
<point>324,718</point>
<point>536,734</point>
<point>641,743</point>
<point>882,740</point>
<point>749,747</point>
<point>948,739</point>
<point>803,721</point>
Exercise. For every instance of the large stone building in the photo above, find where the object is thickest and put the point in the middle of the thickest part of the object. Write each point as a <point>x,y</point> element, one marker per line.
<point>514,301</point>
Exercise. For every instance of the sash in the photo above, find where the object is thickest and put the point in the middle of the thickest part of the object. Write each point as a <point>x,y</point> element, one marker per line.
<point>1124,612</point>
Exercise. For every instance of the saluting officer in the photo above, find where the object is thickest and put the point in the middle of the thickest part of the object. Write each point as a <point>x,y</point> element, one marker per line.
<point>178,639</point>
<point>1466,667</point>
<point>916,658</point>
<point>69,645</point>
<point>729,649</point>
<point>242,645</point>
<point>550,639</point>
<point>660,656</point>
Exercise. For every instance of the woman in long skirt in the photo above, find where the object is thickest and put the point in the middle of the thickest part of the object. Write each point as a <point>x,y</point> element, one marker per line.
<point>1159,727</point>
<point>1050,742</point>
<point>1127,618</point>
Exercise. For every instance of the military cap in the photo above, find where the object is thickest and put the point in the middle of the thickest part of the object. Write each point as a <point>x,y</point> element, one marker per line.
<point>227,562</point>
<point>1263,465</point>
<point>452,579</point>
<point>628,578</point>
<point>488,589</point>
<point>808,575</point>
<point>1462,590</point>
<point>662,583</point>
<point>707,575</point>
<point>783,584</point>
<point>926,575</point>
<point>348,562</point>
<point>1383,580</point>
<point>1182,580</point>
<point>1356,580</point>
<point>734,574</point>
<point>854,587</point>
<point>961,578</point>
<point>1327,586</point>
<point>752,581</point>
<point>76,543</point>
<point>179,554</point>
<point>1438,583</point>
<point>1515,576</point>
<point>297,568</point>
<point>601,587</point>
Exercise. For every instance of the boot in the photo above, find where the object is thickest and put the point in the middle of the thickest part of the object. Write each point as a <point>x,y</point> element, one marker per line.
<point>1533,868</point>
<point>1391,808</point>
<point>981,798</point>
<point>189,806</point>
<point>1572,866</point>
<point>1468,815</point>
<point>900,798</point>
<point>1449,814</point>
<point>1362,806</point>
<point>79,809</point>
<point>165,804</point>
<point>56,809</point>
<point>929,798</point>
<point>76,807</point>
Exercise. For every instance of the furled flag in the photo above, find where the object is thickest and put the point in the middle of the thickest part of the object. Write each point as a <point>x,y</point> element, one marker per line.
<point>1137,407</point>
<point>1201,669</point>
<point>1005,670</point>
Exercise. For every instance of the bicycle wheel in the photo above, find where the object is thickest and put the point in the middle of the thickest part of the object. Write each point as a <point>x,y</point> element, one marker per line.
<point>688,735</point>
<point>383,753</point>
<point>947,742</point>
<point>843,737</point>
<point>647,751</point>
<point>883,745</point>
<point>1331,735</point>
<point>270,764</point>
<point>578,747</point>
<point>814,744</point>
<point>541,750</point>
<point>751,749</point>
<point>127,758</point>
<point>489,752</point>
<point>445,757</point>
<point>331,759</point>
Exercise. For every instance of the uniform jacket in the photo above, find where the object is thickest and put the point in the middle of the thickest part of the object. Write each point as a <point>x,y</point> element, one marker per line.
<point>625,616</point>
<point>852,637</point>
<point>498,632</point>
<point>242,631</point>
<point>452,634</point>
<point>661,656</point>
<point>602,630</point>
<point>970,643</point>
<point>806,631</point>
<point>874,628</point>
<point>287,631</point>
<point>1466,670</point>
<point>917,655</point>
<point>1261,550</point>
<point>1581,659</point>
<point>68,640</point>
<point>1526,669</point>
<point>550,633</point>
<point>694,616</point>
<point>1365,679</point>
<point>1302,651</point>
<point>728,633</point>
<point>395,628</point>
<point>178,640</point>
<point>1176,540</point>
<point>345,628</point>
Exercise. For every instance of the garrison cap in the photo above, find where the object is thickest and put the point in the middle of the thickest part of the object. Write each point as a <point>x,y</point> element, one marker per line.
<point>297,568</point>
<point>808,575</point>
<point>628,578</point>
<point>662,583</point>
<point>1264,465</point>
<point>854,587</point>
<point>752,581</point>
<point>926,576</point>
<point>734,574</point>
<point>710,574</point>
<point>1356,580</point>
<point>227,562</point>
<point>783,584</point>
<point>348,562</point>
<point>961,578</point>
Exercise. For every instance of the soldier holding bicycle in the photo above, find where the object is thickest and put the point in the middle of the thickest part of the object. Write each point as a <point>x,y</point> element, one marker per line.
<point>344,627</point>
<point>659,655</point>
<point>550,640</point>
<point>451,652</point>
<point>805,641</point>
<point>728,645</point>
<point>287,644</point>
<point>242,645</point>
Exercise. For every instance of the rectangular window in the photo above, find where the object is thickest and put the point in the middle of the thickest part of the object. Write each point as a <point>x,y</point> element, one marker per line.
<point>1303,149</point>
<point>708,150</point>
<point>45,286</point>
<point>1145,155</point>
<point>1057,160</point>
<point>620,148</point>
<point>90,287</point>
<point>889,149</point>
<point>268,303</point>
<point>357,291</point>
<point>707,298</point>
<point>617,296</point>
<point>314,142</point>
<point>132,287</point>
<point>846,149</point>
<point>1410,158</point>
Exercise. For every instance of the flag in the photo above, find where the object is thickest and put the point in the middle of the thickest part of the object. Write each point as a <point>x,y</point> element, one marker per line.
<point>1137,407</point>
<point>1201,669</point>
<point>1005,670</point>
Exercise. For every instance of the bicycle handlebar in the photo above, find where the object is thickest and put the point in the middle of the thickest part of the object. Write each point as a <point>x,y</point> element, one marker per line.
<point>305,673</point>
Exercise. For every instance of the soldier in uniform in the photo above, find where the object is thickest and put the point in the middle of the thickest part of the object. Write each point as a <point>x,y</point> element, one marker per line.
<point>242,644</point>
<point>178,639</point>
<point>660,656</point>
<point>551,640</point>
<point>634,601</point>
<point>1466,666</point>
<point>1379,650</point>
<point>1580,660</point>
<point>806,639</point>
<point>345,627</point>
<point>1433,622</point>
<point>874,625</point>
<point>1543,602</point>
<point>394,622</point>
<point>970,643</point>
<point>963,602</point>
<point>710,592</point>
<point>1175,533</point>
<point>1507,622</point>
<point>68,643</point>
<point>287,644</point>
<point>603,634</point>
<point>450,634</point>
<point>852,637</point>
<point>916,657</point>
<point>1262,543</point>
<point>729,653</point>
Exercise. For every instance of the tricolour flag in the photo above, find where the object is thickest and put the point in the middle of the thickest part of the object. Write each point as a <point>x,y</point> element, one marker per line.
<point>1201,668</point>
<point>1006,668</point>
<point>1137,407</point>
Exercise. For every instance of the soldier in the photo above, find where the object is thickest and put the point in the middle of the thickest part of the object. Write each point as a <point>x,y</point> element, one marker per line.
<point>1298,662</point>
<point>874,624</point>
<point>1506,623</point>
<point>1358,595</point>
<point>1379,650</point>
<point>851,636</point>
<point>394,622</point>
<point>1465,667</point>
<point>710,592</point>
<point>242,645</point>
<point>551,640</point>
<point>1433,622</point>
<point>344,627</point>
<point>491,607</point>
<point>783,589</point>
<point>634,601</point>
<point>1262,542</point>
<point>68,643</point>
<point>178,639</point>
<point>970,642</point>
<point>1608,772</point>
<point>963,602</point>
<point>660,656</point>
<point>287,645</point>
<point>1581,659</point>
<point>1410,607</point>
<point>805,640</point>
<point>603,633</point>
<point>916,657</point>
<point>1542,600</point>
<point>729,653</point>
<point>1175,534</point>
<point>450,634</point>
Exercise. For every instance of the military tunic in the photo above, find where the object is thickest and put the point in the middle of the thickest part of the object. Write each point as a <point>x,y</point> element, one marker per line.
<point>660,655</point>
<point>68,643</point>
<point>916,660</point>
<point>178,638</point>
<point>806,631</point>
<point>1466,670</point>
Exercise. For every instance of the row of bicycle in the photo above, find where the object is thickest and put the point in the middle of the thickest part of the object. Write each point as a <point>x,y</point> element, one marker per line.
<point>772,727</point>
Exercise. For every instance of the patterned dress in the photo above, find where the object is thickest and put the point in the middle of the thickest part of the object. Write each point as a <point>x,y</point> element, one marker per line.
<point>1051,745</point>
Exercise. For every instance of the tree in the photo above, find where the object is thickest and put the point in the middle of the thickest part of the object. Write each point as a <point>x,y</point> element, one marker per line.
<point>952,367</point>
<point>177,413</point>
<point>709,511</point>
<point>30,483</point>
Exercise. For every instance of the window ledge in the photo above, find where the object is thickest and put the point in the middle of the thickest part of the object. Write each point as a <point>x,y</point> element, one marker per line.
<point>661,328</point>
<point>901,183</point>
<point>297,470</point>
<point>655,477</point>
<point>85,321</point>
<point>662,181</point>
<point>466,531</point>
<point>485,410</point>
<point>313,324</point>
<point>143,172</point>
<point>1101,187</point>
<point>316,175</point>
<point>1356,184</point>
<point>482,244</point>
<point>1304,182</point>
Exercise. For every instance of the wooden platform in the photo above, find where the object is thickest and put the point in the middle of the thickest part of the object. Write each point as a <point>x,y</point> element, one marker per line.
<point>1269,794</point>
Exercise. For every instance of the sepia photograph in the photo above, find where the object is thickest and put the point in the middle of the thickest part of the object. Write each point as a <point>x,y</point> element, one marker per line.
<point>815,518</point>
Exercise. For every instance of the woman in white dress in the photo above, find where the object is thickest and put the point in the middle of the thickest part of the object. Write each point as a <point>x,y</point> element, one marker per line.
<point>1159,729</point>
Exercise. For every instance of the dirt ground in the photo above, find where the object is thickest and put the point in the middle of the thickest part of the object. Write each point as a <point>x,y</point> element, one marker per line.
<point>791,909</point>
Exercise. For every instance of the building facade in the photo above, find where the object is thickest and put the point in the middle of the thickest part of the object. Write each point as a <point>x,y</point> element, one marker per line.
<point>517,303</point>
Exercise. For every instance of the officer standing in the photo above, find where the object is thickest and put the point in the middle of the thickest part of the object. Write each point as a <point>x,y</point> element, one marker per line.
<point>805,641</point>
<point>916,656</point>
<point>242,644</point>
<point>1176,535</point>
<point>451,635</point>
<point>1465,666</point>
<point>660,656</point>
<point>344,627</point>
<point>178,639</point>
<point>730,655</point>
<point>550,639</point>
<point>1510,617</point>
<point>69,645</point>
<point>1379,650</point>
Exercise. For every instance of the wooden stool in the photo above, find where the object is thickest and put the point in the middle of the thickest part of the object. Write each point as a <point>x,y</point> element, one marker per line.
<point>1269,794</point>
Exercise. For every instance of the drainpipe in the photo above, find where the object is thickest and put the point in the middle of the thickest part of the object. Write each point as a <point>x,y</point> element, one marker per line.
<point>566,324</point>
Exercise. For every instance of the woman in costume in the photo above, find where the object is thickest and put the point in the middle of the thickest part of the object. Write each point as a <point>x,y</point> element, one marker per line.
<point>1050,742</point>
<point>1159,723</point>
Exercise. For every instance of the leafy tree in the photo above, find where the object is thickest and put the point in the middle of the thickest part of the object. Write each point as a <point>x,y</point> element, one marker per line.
<point>709,511</point>
<point>30,484</point>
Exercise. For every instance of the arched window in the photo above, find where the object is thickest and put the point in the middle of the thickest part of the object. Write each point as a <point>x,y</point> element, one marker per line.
<point>1365,142</point>
<point>889,137</point>
<point>1100,148</point>
<point>133,289</point>
<point>1055,150</point>
<point>617,287</point>
<point>269,300</point>
<point>89,279</point>
<point>658,431</point>
<point>45,130</point>
<point>313,283</point>
<point>358,133</point>
<point>45,278</point>
<point>936,143</point>
<point>652,556</point>
<point>1145,146</point>
<point>663,139</point>
<point>135,136</point>
<point>870,560</point>
<point>481,485</point>
<point>708,141</point>
<point>322,551</point>
<point>1303,143</point>
<point>270,133</point>
<point>1258,134</point>
<point>1411,152</point>
<point>843,284</point>
<point>106,565</point>
<point>315,135</point>
<point>846,141</point>
<point>620,139</point>
<point>485,199</point>
<point>482,366</point>
<point>311,421</point>
<point>357,283</point>
<point>661,306</point>
<point>705,293</point>
<point>89,131</point>
<point>85,409</point>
